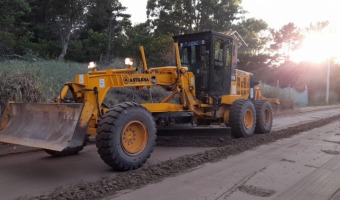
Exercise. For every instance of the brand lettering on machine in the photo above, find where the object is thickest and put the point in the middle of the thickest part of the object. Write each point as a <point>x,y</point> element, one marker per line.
<point>135,79</point>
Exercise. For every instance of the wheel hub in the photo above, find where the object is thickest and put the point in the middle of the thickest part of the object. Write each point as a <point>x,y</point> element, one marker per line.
<point>134,137</point>
<point>267,117</point>
<point>248,119</point>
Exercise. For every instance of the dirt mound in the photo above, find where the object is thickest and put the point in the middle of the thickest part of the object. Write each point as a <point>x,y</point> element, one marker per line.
<point>155,173</point>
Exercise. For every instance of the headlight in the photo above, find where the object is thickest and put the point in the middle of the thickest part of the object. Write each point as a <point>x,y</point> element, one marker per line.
<point>128,61</point>
<point>92,65</point>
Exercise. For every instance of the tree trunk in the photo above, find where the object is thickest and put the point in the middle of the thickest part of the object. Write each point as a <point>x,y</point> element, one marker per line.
<point>109,42</point>
<point>65,39</point>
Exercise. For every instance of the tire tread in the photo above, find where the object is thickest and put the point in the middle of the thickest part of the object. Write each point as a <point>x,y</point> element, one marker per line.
<point>104,137</point>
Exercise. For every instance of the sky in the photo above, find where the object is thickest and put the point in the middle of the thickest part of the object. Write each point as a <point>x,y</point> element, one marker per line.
<point>137,10</point>
<point>302,12</point>
<point>275,12</point>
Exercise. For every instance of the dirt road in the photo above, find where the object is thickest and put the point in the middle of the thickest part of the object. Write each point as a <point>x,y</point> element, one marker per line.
<point>36,173</point>
<point>306,166</point>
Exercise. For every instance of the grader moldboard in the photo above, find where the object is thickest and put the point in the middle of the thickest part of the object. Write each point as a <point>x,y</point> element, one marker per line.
<point>210,88</point>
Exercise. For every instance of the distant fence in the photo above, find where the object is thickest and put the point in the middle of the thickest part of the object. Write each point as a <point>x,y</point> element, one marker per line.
<point>289,97</point>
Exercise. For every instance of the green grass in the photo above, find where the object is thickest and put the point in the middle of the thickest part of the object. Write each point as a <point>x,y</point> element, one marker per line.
<point>41,81</point>
<point>50,75</point>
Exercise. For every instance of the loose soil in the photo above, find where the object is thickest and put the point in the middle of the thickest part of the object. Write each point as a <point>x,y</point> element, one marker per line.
<point>335,196</point>
<point>332,152</point>
<point>7,149</point>
<point>130,180</point>
<point>286,160</point>
<point>256,191</point>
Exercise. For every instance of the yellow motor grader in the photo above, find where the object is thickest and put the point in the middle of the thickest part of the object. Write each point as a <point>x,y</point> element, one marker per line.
<point>205,80</point>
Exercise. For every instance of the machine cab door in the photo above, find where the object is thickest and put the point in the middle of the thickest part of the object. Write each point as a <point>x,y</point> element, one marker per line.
<point>220,75</point>
<point>195,55</point>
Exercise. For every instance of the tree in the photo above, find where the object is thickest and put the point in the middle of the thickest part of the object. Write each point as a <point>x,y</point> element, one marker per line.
<point>289,37</point>
<point>158,48</point>
<point>69,17</point>
<point>255,55</point>
<point>51,25</point>
<point>90,48</point>
<point>217,15</point>
<point>107,16</point>
<point>10,12</point>
<point>318,26</point>
<point>184,16</point>
<point>51,21</point>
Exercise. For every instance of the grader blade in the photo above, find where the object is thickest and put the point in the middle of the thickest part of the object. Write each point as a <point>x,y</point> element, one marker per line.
<point>48,126</point>
<point>194,131</point>
<point>193,136</point>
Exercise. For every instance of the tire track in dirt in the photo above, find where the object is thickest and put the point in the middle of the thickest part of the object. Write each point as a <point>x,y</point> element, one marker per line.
<point>107,186</point>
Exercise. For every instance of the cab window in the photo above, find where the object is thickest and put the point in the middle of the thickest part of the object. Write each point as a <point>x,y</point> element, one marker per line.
<point>222,53</point>
<point>184,56</point>
<point>190,53</point>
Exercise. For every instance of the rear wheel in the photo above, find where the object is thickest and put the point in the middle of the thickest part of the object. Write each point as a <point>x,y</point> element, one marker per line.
<point>242,118</point>
<point>126,136</point>
<point>264,116</point>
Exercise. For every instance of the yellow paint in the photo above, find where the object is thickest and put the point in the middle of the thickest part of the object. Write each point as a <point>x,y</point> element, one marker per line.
<point>162,107</point>
<point>230,99</point>
<point>248,119</point>
<point>241,84</point>
<point>86,114</point>
<point>134,137</point>
<point>63,93</point>
<point>226,116</point>
<point>145,66</point>
<point>178,58</point>
<point>91,131</point>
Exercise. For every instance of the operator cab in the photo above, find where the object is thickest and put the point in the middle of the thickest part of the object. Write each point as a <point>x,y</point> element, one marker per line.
<point>211,56</point>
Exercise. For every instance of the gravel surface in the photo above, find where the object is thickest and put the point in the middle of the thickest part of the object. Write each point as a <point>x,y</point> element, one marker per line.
<point>135,179</point>
<point>7,149</point>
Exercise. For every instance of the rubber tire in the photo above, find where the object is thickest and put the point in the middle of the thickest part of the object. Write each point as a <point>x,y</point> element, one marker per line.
<point>109,132</point>
<point>236,118</point>
<point>261,106</point>
<point>68,151</point>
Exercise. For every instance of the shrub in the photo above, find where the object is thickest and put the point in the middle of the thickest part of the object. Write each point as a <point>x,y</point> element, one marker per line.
<point>43,77</point>
<point>19,86</point>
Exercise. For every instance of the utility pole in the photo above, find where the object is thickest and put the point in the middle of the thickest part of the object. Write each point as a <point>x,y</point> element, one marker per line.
<point>328,75</point>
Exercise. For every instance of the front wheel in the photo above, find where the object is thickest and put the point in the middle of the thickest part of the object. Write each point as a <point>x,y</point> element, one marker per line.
<point>126,136</point>
<point>242,118</point>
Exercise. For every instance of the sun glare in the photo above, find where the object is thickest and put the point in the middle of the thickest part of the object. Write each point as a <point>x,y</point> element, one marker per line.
<point>318,47</point>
